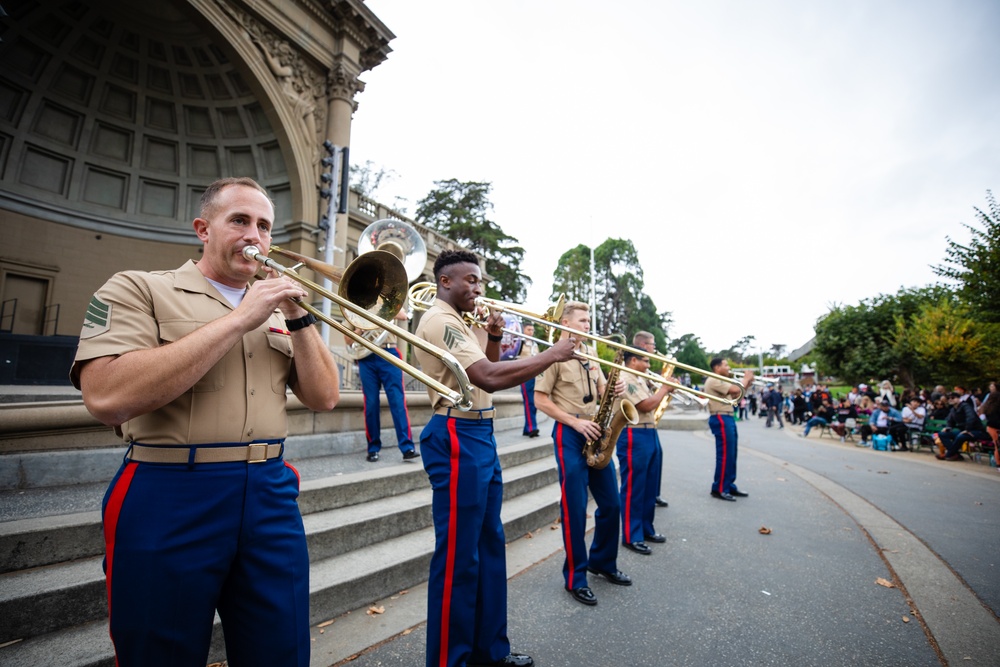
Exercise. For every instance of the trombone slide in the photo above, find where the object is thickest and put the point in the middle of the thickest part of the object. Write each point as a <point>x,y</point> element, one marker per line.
<point>461,399</point>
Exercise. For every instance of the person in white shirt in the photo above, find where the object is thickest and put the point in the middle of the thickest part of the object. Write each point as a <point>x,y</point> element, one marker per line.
<point>914,415</point>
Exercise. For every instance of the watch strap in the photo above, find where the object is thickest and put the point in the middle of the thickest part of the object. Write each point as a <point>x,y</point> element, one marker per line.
<point>301,323</point>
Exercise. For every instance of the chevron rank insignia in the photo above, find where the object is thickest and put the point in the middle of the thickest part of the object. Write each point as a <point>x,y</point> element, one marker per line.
<point>452,337</point>
<point>632,389</point>
<point>98,318</point>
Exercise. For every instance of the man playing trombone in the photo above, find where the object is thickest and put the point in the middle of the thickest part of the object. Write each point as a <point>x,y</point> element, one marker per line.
<point>570,392</point>
<point>723,427</point>
<point>190,366</point>
<point>638,447</point>
<point>467,587</point>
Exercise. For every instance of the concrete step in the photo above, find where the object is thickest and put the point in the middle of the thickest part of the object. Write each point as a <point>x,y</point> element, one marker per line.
<point>338,584</point>
<point>44,540</point>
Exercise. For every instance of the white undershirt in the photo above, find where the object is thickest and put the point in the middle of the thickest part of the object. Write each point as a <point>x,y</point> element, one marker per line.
<point>234,295</point>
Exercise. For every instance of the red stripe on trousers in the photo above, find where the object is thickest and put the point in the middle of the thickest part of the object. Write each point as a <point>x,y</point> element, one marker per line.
<point>111,514</point>
<point>628,493</point>
<point>402,386</point>
<point>527,409</point>
<point>725,451</point>
<point>567,537</point>
<point>449,568</point>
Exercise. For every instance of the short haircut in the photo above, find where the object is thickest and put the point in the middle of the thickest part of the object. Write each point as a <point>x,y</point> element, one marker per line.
<point>573,306</point>
<point>954,394</point>
<point>211,193</point>
<point>640,336</point>
<point>715,362</point>
<point>630,355</point>
<point>449,257</point>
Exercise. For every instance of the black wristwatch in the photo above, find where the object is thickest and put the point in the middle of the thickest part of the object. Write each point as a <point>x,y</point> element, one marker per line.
<point>301,323</point>
<point>495,339</point>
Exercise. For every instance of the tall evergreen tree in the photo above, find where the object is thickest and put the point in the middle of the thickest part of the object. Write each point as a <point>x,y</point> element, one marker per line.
<point>460,210</point>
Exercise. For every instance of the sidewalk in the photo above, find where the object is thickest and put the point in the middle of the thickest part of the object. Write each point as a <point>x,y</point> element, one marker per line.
<point>721,593</point>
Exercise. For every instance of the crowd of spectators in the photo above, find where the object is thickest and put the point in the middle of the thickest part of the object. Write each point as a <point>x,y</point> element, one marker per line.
<point>970,417</point>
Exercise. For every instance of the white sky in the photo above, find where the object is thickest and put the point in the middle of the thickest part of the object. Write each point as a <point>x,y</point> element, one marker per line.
<point>810,152</point>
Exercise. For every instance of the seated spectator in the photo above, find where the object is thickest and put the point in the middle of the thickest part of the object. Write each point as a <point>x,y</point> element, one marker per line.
<point>880,421</point>
<point>914,414</point>
<point>941,408</point>
<point>799,407</point>
<point>963,426</point>
<point>822,417</point>
<point>865,405</point>
<point>887,393</point>
<point>854,395</point>
<point>847,417</point>
<point>990,409</point>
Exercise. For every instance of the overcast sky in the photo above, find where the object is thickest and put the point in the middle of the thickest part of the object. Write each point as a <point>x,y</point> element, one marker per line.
<point>767,158</point>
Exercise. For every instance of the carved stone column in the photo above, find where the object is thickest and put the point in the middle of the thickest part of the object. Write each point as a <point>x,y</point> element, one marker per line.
<point>342,85</point>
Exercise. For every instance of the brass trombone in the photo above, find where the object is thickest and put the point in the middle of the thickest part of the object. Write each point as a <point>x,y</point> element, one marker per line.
<point>371,292</point>
<point>422,297</point>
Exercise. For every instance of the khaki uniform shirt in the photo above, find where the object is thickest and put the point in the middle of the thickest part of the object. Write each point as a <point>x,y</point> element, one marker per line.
<point>529,348</point>
<point>717,387</point>
<point>241,399</point>
<point>637,390</point>
<point>567,382</point>
<point>444,327</point>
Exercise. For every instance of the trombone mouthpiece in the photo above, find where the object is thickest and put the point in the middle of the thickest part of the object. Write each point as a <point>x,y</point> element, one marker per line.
<point>251,252</point>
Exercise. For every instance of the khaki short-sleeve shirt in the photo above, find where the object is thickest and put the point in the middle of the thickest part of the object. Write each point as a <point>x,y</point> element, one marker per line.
<point>637,390</point>
<point>717,387</point>
<point>442,326</point>
<point>242,397</point>
<point>567,382</point>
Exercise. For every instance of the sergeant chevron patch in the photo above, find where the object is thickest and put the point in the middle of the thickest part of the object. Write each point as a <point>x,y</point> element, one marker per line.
<point>98,318</point>
<point>452,336</point>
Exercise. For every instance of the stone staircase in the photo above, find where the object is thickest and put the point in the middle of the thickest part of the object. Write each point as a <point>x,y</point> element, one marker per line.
<point>369,531</point>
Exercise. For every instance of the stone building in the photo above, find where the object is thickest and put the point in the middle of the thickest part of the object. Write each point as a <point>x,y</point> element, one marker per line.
<point>115,115</point>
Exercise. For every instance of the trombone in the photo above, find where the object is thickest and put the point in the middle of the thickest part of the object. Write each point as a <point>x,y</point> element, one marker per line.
<point>370,293</point>
<point>759,381</point>
<point>422,297</point>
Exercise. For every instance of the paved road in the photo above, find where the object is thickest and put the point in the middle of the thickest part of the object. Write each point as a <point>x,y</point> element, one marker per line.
<point>721,593</point>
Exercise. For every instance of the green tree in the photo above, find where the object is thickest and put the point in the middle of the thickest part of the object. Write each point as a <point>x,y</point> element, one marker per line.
<point>572,276</point>
<point>860,343</point>
<point>460,210</point>
<point>619,284</point>
<point>688,350</point>
<point>622,306</point>
<point>946,339</point>
<point>976,266</point>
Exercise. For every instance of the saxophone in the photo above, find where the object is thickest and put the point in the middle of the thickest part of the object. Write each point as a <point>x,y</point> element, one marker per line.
<point>668,370</point>
<point>598,452</point>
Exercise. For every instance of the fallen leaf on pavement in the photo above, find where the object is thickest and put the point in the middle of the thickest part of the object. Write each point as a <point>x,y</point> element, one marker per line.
<point>407,631</point>
<point>885,582</point>
<point>376,610</point>
<point>782,479</point>
<point>325,623</point>
<point>906,619</point>
<point>764,530</point>
<point>883,472</point>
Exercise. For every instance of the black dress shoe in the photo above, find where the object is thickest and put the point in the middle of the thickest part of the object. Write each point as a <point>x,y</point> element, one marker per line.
<point>656,538</point>
<point>638,547</point>
<point>584,595</point>
<point>533,434</point>
<point>722,496</point>
<point>512,660</point>
<point>411,454</point>
<point>739,494</point>
<point>617,577</point>
<point>660,502</point>
<point>372,457</point>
